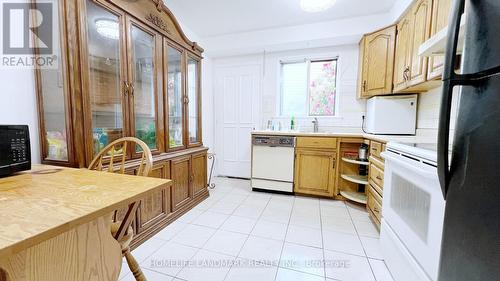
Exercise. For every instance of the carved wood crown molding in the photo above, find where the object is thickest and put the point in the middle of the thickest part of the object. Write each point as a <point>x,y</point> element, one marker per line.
<point>157,21</point>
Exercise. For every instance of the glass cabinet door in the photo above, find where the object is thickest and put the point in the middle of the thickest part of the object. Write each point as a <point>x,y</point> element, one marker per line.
<point>175,98</point>
<point>144,88</point>
<point>193,100</point>
<point>105,41</point>
<point>52,95</point>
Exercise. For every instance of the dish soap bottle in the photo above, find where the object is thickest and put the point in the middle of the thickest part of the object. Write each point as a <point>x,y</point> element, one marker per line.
<point>292,123</point>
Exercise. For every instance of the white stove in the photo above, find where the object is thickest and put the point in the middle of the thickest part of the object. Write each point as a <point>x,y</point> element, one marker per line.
<point>413,211</point>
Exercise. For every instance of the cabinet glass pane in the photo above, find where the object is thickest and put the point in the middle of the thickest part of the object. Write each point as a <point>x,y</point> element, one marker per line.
<point>104,85</point>
<point>54,113</point>
<point>175,98</point>
<point>143,50</point>
<point>192,76</point>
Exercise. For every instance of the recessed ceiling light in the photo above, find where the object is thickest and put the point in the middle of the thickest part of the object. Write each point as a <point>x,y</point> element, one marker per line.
<point>314,6</point>
<point>107,28</point>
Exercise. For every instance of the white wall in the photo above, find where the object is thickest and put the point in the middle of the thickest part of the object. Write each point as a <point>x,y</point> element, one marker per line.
<point>322,34</point>
<point>429,104</point>
<point>350,109</point>
<point>18,104</point>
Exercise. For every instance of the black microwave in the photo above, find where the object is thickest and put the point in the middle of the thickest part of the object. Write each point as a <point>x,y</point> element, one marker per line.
<point>15,154</point>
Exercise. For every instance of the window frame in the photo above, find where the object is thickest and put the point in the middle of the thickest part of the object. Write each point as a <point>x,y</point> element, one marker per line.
<point>308,88</point>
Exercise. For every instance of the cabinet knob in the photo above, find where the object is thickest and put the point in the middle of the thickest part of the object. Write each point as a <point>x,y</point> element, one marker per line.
<point>364,86</point>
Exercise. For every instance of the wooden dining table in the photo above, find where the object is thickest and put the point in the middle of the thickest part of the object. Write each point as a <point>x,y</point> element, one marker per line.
<point>55,222</point>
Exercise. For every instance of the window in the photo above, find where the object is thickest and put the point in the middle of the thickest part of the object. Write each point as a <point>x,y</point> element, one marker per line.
<point>308,88</point>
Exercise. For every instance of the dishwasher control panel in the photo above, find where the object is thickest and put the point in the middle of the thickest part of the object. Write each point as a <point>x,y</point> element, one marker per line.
<point>282,141</point>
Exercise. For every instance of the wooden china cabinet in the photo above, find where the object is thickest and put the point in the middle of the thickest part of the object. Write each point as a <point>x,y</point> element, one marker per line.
<point>125,68</point>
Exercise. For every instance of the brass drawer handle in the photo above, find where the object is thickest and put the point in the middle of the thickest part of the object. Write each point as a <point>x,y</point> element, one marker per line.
<point>376,210</point>
<point>379,178</point>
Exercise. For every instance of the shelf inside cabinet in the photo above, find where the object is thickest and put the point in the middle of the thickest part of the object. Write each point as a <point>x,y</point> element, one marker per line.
<point>355,178</point>
<point>354,161</point>
<point>436,45</point>
<point>354,196</point>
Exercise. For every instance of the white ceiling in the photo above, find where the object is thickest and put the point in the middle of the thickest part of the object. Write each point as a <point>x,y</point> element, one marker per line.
<point>219,17</point>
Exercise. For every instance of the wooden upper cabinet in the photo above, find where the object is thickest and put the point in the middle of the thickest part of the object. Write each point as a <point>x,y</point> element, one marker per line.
<point>421,28</point>
<point>440,15</point>
<point>193,101</point>
<point>175,78</point>
<point>115,75</point>
<point>402,60</point>
<point>378,62</point>
<point>361,93</point>
<point>144,59</point>
<point>315,172</point>
<point>105,76</point>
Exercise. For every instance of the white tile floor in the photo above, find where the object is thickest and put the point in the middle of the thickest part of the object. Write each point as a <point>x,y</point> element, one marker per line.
<point>240,235</point>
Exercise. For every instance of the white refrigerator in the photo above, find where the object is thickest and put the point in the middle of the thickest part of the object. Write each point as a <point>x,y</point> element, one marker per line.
<point>392,115</point>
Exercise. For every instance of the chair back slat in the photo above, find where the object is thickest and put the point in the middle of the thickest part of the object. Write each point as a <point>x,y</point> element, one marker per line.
<point>146,162</point>
<point>140,166</point>
<point>99,167</point>
<point>124,153</point>
<point>111,159</point>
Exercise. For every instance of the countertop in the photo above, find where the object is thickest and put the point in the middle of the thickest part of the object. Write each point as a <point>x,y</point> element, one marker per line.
<point>42,203</point>
<point>380,138</point>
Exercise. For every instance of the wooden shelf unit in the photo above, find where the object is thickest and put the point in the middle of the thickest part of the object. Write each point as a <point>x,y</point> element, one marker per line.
<point>354,161</point>
<point>105,87</point>
<point>351,185</point>
<point>356,179</point>
<point>358,197</point>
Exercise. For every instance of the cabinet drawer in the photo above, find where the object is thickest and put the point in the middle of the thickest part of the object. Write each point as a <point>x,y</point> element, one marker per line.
<point>377,162</point>
<point>377,175</point>
<point>375,149</point>
<point>376,187</point>
<point>314,142</point>
<point>374,203</point>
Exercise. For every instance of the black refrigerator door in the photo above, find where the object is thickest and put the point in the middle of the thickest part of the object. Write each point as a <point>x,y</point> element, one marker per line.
<point>471,185</point>
<point>481,61</point>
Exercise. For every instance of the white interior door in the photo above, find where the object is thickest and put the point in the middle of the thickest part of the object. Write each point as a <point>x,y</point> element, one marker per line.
<point>237,106</point>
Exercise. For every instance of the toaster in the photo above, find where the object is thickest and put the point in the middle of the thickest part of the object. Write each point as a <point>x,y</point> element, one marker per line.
<point>15,153</point>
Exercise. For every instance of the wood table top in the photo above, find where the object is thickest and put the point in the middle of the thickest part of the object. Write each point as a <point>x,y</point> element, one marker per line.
<point>46,201</point>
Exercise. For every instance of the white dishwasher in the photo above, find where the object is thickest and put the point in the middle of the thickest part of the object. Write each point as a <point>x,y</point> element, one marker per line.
<point>273,163</point>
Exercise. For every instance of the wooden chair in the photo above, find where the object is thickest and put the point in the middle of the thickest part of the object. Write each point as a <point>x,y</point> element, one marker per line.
<point>112,159</point>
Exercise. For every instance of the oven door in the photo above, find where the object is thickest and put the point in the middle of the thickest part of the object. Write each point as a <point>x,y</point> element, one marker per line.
<point>413,207</point>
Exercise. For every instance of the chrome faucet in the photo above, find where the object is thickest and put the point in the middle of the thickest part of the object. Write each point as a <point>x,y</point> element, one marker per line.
<point>315,123</point>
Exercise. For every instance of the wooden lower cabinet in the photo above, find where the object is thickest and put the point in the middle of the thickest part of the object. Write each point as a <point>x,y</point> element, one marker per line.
<point>315,172</point>
<point>157,206</point>
<point>153,209</point>
<point>188,172</point>
<point>199,170</point>
<point>376,182</point>
<point>181,188</point>
<point>374,205</point>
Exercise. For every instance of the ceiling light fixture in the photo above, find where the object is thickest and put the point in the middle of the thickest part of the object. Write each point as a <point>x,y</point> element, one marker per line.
<point>314,6</point>
<point>107,28</point>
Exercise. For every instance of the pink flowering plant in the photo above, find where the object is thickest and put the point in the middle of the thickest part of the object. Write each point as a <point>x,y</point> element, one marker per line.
<point>323,89</point>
